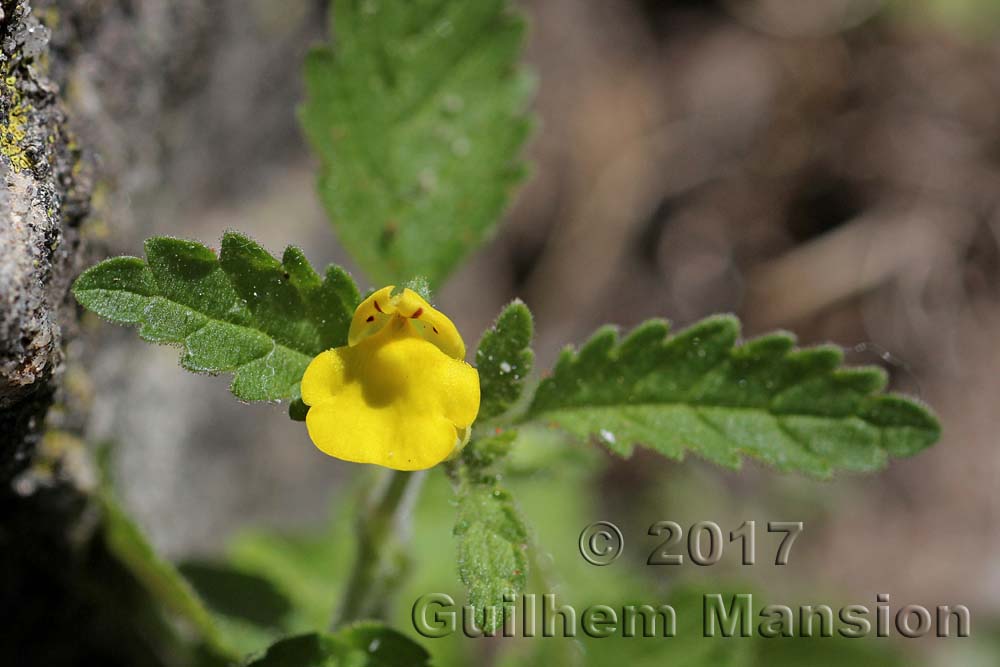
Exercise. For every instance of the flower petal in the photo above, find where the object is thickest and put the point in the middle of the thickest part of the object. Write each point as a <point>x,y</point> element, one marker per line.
<point>400,393</point>
<point>371,315</point>
<point>375,313</point>
<point>323,378</point>
<point>352,430</point>
<point>433,325</point>
<point>458,384</point>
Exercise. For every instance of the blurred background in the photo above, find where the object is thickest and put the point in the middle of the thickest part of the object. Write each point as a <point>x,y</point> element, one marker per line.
<point>831,167</point>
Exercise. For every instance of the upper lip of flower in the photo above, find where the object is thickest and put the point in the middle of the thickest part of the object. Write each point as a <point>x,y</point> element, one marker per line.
<point>386,308</point>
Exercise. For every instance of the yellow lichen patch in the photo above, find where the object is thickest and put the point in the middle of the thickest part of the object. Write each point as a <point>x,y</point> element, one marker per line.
<point>12,128</point>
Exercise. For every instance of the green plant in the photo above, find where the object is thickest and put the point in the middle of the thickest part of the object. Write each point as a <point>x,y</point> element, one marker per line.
<point>418,116</point>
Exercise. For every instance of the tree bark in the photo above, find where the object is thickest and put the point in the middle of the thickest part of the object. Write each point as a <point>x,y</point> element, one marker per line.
<point>65,599</point>
<point>44,196</point>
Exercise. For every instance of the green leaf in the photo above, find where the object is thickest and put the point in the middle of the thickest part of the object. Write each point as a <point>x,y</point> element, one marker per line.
<point>360,645</point>
<point>492,546</point>
<point>417,113</point>
<point>243,312</point>
<point>699,391</point>
<point>492,535</point>
<point>230,591</point>
<point>504,359</point>
<point>483,452</point>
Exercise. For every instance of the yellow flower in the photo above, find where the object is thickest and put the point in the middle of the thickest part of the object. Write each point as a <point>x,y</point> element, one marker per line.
<point>399,394</point>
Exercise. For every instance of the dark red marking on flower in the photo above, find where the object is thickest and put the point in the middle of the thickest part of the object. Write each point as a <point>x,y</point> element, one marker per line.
<point>417,313</point>
<point>377,307</point>
<point>371,318</point>
<point>435,329</point>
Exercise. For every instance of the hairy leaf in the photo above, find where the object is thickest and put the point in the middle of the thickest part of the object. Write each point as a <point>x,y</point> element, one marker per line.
<point>492,545</point>
<point>483,452</point>
<point>504,359</point>
<point>360,645</point>
<point>795,409</point>
<point>417,114</point>
<point>243,312</point>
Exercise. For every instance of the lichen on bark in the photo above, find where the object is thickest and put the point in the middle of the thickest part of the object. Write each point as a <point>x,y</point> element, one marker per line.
<point>44,195</point>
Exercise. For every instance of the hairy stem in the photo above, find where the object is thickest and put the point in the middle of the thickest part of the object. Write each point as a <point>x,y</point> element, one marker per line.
<point>382,530</point>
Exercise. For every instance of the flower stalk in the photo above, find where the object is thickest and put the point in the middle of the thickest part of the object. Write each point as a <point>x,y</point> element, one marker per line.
<point>383,528</point>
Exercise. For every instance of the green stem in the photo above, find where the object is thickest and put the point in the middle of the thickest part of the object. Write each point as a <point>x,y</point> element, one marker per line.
<point>381,530</point>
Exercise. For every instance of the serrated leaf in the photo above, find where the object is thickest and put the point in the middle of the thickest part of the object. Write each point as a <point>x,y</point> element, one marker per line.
<point>698,391</point>
<point>483,452</point>
<point>360,645</point>
<point>504,359</point>
<point>417,114</point>
<point>243,312</point>
<point>492,545</point>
